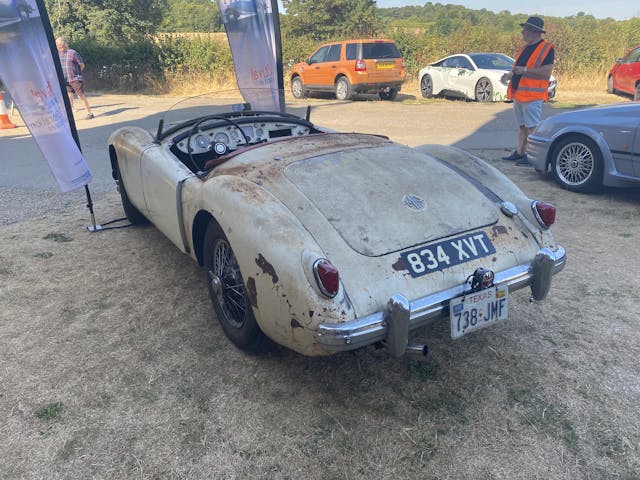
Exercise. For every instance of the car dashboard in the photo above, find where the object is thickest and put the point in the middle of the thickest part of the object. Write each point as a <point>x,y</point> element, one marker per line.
<point>216,138</point>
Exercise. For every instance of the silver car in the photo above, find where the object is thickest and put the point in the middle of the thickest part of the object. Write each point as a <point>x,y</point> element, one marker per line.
<point>589,148</point>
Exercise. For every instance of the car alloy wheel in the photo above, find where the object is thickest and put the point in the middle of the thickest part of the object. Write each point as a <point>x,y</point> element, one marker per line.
<point>343,89</point>
<point>426,86</point>
<point>484,90</point>
<point>297,88</point>
<point>577,164</point>
<point>610,88</point>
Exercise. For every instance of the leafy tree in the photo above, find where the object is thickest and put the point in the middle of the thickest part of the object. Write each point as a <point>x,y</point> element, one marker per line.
<point>192,16</point>
<point>114,22</point>
<point>330,19</point>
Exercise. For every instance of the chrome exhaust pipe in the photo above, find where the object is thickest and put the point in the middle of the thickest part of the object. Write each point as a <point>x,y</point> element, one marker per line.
<point>418,350</point>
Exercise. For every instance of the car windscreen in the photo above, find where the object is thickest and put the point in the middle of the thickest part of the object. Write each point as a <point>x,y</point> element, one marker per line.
<point>375,50</point>
<point>492,61</point>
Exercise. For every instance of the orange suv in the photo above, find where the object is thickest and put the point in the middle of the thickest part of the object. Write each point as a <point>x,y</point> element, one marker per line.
<point>351,66</point>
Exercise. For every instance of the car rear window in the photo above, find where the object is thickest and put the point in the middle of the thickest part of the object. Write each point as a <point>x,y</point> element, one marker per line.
<point>380,50</point>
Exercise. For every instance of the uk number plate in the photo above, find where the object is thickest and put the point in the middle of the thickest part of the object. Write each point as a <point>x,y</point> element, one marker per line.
<point>436,257</point>
<point>478,310</point>
<point>384,65</point>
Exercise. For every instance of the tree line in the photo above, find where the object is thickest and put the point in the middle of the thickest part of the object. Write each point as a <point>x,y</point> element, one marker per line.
<point>134,45</point>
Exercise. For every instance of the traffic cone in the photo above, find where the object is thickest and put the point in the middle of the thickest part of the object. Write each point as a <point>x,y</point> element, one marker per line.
<point>4,116</point>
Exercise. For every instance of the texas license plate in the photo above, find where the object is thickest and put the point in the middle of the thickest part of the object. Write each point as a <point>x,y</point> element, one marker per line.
<point>478,310</point>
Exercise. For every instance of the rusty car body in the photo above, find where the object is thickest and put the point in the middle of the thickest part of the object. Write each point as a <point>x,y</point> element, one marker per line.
<point>327,241</point>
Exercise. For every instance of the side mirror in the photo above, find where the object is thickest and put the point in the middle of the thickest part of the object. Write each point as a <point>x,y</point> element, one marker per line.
<point>309,61</point>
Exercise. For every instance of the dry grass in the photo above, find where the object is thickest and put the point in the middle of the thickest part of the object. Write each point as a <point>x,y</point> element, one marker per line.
<point>572,90</point>
<point>192,84</point>
<point>113,366</point>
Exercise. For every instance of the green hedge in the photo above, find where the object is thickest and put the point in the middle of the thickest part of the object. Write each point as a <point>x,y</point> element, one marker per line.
<point>584,46</point>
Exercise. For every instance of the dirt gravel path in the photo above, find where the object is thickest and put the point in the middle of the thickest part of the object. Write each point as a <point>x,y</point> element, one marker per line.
<point>27,188</point>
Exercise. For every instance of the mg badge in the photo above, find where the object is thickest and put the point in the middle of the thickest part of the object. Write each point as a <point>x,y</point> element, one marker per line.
<point>414,202</point>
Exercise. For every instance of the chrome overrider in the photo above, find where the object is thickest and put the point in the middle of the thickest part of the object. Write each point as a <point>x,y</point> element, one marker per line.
<point>393,324</point>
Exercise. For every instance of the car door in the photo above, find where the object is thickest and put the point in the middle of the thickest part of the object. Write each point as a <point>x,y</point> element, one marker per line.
<point>330,66</point>
<point>636,151</point>
<point>620,130</point>
<point>458,71</point>
<point>314,75</point>
<point>629,71</point>
<point>162,178</point>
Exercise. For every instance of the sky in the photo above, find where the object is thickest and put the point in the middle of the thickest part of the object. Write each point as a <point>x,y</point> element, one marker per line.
<point>617,9</point>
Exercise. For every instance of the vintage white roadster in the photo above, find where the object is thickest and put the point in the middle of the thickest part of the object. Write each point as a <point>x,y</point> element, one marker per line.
<point>326,241</point>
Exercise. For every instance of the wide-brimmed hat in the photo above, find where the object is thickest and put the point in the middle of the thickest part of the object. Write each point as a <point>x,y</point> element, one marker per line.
<point>535,23</point>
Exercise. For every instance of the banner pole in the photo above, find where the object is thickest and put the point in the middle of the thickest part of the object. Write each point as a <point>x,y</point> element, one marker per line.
<point>46,23</point>
<point>279,66</point>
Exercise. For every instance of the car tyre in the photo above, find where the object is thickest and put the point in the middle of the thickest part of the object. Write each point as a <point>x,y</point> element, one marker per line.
<point>426,86</point>
<point>577,164</point>
<point>636,93</point>
<point>228,292</point>
<point>131,212</point>
<point>297,88</point>
<point>610,88</point>
<point>343,89</point>
<point>390,95</point>
<point>484,90</point>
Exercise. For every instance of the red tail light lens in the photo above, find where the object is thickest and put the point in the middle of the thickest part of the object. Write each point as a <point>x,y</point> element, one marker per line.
<point>361,66</point>
<point>545,213</point>
<point>327,277</point>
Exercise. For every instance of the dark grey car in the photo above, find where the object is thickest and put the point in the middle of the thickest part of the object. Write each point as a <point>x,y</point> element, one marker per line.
<point>586,149</point>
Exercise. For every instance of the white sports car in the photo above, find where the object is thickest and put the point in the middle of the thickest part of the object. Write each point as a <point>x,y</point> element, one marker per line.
<point>326,241</point>
<point>474,76</point>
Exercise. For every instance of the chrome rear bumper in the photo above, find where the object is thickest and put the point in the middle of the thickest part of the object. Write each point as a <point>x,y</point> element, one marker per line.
<point>400,315</point>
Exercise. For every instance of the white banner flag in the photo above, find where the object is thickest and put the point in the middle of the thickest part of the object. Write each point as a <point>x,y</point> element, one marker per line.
<point>251,30</point>
<point>28,71</point>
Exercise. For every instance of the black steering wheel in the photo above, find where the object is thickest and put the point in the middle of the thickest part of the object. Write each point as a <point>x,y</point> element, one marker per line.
<point>195,129</point>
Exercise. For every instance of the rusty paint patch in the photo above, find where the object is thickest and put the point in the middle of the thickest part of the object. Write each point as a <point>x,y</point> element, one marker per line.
<point>399,265</point>
<point>500,230</point>
<point>267,268</point>
<point>295,324</point>
<point>252,292</point>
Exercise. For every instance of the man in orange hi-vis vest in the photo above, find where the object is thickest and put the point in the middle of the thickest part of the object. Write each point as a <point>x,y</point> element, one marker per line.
<point>529,83</point>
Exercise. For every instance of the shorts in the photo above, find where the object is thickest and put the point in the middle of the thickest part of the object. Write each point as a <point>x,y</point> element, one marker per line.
<point>76,87</point>
<point>528,113</point>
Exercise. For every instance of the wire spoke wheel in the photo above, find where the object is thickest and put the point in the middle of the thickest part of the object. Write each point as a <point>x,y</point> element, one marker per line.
<point>231,292</point>
<point>228,291</point>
